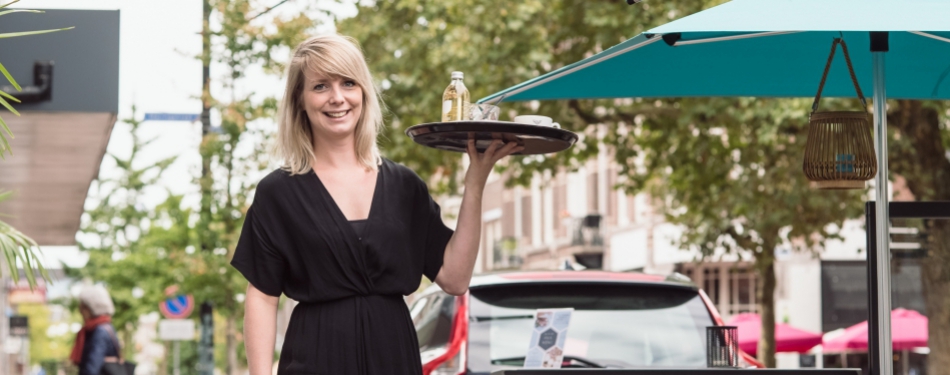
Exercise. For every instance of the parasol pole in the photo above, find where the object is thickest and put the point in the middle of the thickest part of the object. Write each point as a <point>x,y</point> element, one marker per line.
<point>879,46</point>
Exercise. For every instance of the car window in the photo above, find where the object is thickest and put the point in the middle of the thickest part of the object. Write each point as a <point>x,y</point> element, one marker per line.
<point>433,321</point>
<point>417,307</point>
<point>621,326</point>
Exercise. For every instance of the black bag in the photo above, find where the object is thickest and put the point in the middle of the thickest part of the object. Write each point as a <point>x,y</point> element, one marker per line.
<point>114,365</point>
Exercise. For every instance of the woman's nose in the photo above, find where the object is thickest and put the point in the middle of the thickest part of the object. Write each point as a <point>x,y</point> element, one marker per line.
<point>336,95</point>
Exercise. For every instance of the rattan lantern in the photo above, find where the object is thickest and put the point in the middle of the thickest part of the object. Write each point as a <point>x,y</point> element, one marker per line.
<point>839,151</point>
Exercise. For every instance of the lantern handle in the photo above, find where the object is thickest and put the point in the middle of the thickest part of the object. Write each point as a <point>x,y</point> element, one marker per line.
<point>824,76</point>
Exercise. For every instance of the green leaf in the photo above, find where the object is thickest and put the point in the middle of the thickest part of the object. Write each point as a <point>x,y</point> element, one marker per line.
<point>28,266</point>
<point>9,247</point>
<point>8,4</point>
<point>25,33</point>
<point>9,78</point>
<point>4,144</point>
<point>10,107</point>
<point>21,11</point>
<point>3,94</point>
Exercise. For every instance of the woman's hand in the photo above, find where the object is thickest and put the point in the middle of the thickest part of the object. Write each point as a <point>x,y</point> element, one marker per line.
<point>482,163</point>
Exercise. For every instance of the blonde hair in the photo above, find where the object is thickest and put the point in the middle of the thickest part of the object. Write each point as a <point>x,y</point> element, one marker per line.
<point>336,56</point>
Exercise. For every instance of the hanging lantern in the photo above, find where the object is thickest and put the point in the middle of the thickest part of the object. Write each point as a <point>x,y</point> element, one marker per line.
<point>839,152</point>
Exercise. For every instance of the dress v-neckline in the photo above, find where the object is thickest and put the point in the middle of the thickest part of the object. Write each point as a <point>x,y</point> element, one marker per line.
<point>336,207</point>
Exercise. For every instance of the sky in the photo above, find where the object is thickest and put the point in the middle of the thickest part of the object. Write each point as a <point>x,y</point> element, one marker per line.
<point>158,72</point>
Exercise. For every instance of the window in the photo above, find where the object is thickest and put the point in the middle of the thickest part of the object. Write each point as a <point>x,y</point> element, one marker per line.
<point>742,290</point>
<point>526,217</point>
<point>711,284</point>
<point>625,326</point>
<point>432,316</point>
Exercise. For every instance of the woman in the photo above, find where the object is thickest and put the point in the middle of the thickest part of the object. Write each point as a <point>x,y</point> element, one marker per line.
<point>345,232</point>
<point>96,340</point>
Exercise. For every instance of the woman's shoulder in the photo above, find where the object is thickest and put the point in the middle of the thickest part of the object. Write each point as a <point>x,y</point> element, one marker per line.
<point>102,332</point>
<point>402,173</point>
<point>276,180</point>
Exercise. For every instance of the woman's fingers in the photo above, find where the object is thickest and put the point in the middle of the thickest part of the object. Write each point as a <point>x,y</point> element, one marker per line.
<point>509,149</point>
<point>490,151</point>
<point>472,152</point>
<point>495,151</point>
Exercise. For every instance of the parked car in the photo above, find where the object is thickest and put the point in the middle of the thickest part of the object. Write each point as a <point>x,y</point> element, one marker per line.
<point>620,320</point>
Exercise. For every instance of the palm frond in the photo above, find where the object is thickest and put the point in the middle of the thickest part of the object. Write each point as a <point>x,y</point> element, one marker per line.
<point>8,4</point>
<point>9,107</point>
<point>10,78</point>
<point>20,11</point>
<point>17,246</point>
<point>3,94</point>
<point>4,144</point>
<point>25,33</point>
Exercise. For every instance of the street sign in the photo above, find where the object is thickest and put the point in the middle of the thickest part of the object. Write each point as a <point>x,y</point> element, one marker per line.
<point>19,325</point>
<point>176,329</point>
<point>177,307</point>
<point>189,117</point>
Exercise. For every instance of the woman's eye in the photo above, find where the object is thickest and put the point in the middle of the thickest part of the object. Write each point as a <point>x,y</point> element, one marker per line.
<point>319,86</point>
<point>349,84</point>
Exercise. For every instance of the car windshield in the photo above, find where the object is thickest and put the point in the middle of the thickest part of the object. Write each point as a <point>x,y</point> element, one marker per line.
<point>613,325</point>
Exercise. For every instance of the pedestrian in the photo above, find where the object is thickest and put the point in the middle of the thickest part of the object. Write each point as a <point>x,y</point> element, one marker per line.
<point>95,342</point>
<point>344,231</point>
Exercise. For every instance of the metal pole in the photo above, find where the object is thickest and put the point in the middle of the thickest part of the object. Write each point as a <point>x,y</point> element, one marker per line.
<point>905,358</point>
<point>883,276</point>
<point>177,345</point>
<point>870,217</point>
<point>206,341</point>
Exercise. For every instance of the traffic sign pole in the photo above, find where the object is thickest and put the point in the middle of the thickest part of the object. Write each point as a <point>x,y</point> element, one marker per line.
<point>177,345</point>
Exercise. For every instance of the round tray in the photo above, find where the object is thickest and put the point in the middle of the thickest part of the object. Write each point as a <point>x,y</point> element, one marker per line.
<point>454,136</point>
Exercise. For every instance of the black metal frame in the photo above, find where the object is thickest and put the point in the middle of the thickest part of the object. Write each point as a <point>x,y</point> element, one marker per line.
<point>896,210</point>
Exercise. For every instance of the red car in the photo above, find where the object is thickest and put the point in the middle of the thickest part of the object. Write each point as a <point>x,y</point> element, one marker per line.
<point>620,320</point>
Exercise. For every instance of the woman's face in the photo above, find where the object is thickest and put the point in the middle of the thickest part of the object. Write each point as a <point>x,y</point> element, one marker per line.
<point>84,311</point>
<point>333,104</point>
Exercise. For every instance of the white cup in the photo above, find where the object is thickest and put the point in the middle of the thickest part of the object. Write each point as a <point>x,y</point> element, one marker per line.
<point>537,120</point>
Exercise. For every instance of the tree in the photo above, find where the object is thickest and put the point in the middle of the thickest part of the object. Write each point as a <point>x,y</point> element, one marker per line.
<point>684,151</point>
<point>113,226</point>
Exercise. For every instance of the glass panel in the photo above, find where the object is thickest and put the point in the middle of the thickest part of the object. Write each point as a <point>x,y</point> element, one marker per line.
<point>434,322</point>
<point>616,325</point>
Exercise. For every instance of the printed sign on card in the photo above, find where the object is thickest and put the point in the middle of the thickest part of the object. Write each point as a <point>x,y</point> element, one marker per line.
<point>546,349</point>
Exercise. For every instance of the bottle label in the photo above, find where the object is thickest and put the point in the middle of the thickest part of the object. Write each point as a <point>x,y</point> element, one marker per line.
<point>446,106</point>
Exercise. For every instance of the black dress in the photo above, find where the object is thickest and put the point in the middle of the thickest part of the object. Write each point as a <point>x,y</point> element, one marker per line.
<point>352,318</point>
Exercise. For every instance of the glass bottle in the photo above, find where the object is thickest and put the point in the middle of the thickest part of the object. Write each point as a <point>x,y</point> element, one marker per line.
<point>455,100</point>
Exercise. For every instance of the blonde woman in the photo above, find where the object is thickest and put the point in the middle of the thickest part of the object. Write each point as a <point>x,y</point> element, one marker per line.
<point>344,231</point>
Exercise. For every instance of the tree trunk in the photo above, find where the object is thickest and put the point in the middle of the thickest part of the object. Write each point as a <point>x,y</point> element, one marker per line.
<point>765,264</point>
<point>936,286</point>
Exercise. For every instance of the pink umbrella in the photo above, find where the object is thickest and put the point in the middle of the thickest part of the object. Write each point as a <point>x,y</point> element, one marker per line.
<point>787,338</point>
<point>908,330</point>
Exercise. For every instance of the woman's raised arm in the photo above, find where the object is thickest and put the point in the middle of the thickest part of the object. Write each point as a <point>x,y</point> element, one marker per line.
<point>462,250</point>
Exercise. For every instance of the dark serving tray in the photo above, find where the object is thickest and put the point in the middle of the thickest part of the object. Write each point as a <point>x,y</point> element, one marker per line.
<point>454,136</point>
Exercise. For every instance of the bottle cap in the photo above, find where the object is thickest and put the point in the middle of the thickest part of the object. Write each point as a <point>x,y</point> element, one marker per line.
<point>457,75</point>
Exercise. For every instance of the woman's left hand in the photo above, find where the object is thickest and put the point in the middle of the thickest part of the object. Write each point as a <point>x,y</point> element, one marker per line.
<point>482,163</point>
